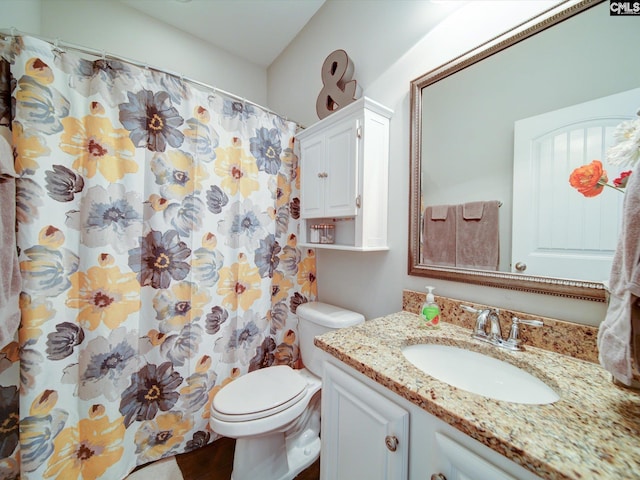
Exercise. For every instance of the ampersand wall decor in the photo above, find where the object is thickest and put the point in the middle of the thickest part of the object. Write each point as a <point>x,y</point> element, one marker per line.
<point>339,89</point>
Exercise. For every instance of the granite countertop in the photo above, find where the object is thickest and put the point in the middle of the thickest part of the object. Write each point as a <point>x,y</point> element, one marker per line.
<point>593,431</point>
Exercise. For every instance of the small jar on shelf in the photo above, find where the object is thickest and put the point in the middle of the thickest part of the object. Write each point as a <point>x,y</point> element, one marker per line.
<point>327,233</point>
<point>322,233</point>
<point>314,234</point>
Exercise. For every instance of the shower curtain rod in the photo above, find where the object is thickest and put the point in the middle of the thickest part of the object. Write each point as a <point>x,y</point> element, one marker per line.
<point>61,46</point>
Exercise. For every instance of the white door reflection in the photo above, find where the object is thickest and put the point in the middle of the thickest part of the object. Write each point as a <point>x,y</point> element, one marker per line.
<point>557,231</point>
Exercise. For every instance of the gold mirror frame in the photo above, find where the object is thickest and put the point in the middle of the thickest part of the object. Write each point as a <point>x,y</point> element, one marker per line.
<point>535,284</point>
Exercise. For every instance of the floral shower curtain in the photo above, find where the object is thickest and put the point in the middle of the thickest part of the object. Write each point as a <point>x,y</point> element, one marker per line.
<point>156,239</point>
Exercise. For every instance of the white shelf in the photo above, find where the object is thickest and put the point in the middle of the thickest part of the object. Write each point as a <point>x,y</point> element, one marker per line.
<point>337,246</point>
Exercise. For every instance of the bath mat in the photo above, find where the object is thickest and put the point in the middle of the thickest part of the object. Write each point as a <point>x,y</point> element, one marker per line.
<point>165,469</point>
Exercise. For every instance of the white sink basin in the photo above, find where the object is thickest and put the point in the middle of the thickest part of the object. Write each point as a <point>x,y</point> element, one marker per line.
<point>480,374</point>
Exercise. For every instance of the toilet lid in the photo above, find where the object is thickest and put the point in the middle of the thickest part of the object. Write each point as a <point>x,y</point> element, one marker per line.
<point>259,394</point>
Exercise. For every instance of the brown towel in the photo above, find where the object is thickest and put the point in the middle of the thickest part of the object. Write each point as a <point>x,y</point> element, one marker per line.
<point>439,235</point>
<point>478,235</point>
<point>619,333</point>
<point>10,282</point>
<point>473,210</point>
<point>439,212</point>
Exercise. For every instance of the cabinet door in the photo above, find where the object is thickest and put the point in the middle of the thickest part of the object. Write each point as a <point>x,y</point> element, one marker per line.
<point>364,434</point>
<point>460,463</point>
<point>312,181</point>
<point>341,166</point>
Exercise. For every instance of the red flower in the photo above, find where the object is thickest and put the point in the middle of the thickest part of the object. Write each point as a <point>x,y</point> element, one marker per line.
<point>622,180</point>
<point>590,179</point>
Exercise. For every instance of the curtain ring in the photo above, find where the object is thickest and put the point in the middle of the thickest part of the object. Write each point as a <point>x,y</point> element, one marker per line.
<point>56,46</point>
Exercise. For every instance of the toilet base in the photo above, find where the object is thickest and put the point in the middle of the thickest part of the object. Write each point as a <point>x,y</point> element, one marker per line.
<point>290,441</point>
<point>272,457</point>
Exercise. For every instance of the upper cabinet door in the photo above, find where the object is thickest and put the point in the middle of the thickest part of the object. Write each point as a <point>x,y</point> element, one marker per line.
<point>329,169</point>
<point>341,168</point>
<point>312,177</point>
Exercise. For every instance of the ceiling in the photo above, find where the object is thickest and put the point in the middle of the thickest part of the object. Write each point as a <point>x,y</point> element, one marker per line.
<point>250,29</point>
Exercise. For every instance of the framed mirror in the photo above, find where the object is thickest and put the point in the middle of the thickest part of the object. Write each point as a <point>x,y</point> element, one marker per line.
<point>463,117</point>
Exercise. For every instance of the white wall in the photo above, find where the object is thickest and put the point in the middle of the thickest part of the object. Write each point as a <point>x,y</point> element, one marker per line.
<point>118,29</point>
<point>23,15</point>
<point>372,32</point>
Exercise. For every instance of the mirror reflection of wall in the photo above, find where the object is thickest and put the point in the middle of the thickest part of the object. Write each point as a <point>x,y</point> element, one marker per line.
<point>468,118</point>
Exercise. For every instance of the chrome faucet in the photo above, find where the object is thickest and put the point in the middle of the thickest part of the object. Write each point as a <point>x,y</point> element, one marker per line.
<point>494,336</point>
<point>495,332</point>
<point>480,328</point>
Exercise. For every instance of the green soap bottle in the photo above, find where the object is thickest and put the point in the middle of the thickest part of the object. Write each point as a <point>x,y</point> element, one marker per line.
<point>430,311</point>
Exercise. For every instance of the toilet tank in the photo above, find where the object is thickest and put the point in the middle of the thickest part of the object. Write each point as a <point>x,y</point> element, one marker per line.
<point>316,318</point>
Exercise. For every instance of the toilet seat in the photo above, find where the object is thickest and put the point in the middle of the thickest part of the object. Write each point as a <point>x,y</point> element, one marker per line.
<point>259,394</point>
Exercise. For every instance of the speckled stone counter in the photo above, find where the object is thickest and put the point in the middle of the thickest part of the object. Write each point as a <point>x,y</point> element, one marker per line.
<point>592,432</point>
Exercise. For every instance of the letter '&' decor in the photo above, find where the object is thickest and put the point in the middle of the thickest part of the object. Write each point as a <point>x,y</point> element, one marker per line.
<point>339,90</point>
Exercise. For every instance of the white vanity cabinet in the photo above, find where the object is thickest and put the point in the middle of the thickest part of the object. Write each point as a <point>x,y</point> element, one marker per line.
<point>344,163</point>
<point>358,415</point>
<point>364,434</point>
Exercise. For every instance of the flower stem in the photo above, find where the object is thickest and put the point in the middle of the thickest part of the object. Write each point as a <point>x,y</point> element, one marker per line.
<point>612,186</point>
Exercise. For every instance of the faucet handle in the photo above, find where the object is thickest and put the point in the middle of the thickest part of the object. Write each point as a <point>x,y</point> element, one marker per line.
<point>477,311</point>
<point>533,323</point>
<point>514,342</point>
<point>470,309</point>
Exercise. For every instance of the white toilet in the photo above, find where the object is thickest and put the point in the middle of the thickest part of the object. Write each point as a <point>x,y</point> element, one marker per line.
<point>274,413</point>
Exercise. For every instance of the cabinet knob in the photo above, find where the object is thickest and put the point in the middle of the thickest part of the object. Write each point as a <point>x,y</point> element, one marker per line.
<point>391,441</point>
<point>521,266</point>
<point>438,476</point>
<point>323,175</point>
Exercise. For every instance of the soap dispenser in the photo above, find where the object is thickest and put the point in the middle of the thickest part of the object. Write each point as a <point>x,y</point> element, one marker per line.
<point>430,311</point>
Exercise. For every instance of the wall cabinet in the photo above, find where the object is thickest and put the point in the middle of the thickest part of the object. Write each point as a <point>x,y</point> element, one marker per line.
<point>344,163</point>
<point>359,417</point>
